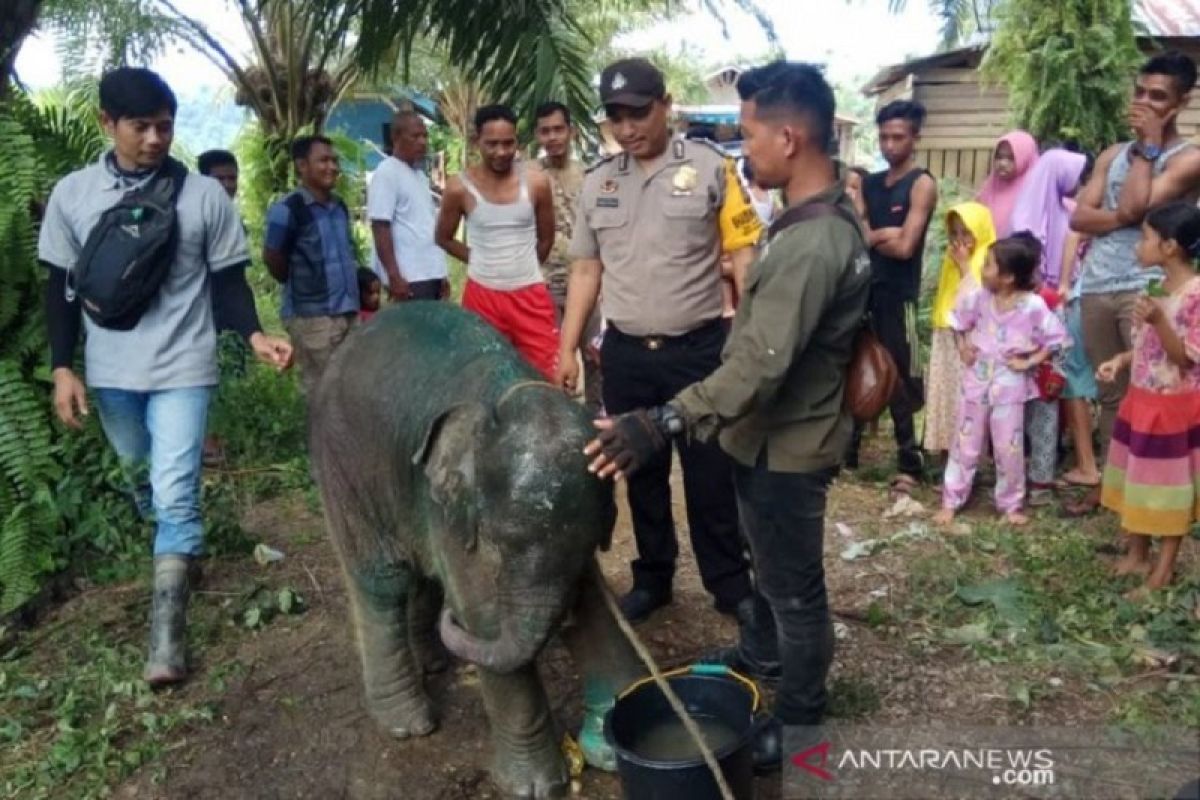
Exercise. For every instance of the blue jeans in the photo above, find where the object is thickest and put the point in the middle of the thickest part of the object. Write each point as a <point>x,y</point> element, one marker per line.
<point>159,437</point>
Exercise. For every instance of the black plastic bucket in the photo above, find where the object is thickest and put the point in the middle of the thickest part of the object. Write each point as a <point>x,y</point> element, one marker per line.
<point>708,692</point>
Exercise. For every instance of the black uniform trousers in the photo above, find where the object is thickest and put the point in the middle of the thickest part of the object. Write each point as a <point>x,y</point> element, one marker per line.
<point>893,320</point>
<point>640,373</point>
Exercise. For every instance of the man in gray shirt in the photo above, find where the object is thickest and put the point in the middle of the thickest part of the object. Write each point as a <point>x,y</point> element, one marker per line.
<point>152,383</point>
<point>1130,178</point>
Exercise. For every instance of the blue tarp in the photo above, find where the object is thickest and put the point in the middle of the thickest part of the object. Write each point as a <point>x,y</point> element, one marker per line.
<point>364,117</point>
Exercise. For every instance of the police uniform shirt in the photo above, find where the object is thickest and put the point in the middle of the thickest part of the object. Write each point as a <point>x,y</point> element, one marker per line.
<point>660,236</point>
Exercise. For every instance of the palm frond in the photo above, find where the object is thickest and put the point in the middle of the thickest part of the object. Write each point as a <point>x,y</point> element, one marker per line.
<point>960,18</point>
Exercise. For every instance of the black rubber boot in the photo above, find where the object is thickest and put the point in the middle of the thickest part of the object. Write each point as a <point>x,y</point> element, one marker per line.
<point>166,663</point>
<point>639,604</point>
<point>733,658</point>
<point>756,655</point>
<point>768,746</point>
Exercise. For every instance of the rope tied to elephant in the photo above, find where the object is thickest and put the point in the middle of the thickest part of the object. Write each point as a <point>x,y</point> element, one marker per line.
<point>673,700</point>
<point>526,384</point>
<point>640,649</point>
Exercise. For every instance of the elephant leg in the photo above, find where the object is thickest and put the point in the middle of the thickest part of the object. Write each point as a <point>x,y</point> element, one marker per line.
<point>527,760</point>
<point>424,605</point>
<point>607,662</point>
<point>395,695</point>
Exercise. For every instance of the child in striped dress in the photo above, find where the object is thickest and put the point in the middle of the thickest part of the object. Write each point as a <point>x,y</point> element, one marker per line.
<point>1152,476</point>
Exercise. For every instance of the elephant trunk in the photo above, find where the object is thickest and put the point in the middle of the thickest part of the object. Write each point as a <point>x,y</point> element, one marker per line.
<point>523,632</point>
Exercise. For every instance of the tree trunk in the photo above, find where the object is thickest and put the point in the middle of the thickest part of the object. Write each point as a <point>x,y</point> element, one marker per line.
<point>16,22</point>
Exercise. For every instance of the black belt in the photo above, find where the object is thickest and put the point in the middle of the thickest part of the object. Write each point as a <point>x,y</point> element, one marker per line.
<point>700,332</point>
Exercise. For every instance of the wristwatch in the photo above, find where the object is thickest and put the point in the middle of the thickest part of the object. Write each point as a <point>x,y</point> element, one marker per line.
<point>669,420</point>
<point>1150,152</point>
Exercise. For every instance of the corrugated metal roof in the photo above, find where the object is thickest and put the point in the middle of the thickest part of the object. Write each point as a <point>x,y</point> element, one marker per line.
<point>1179,19</point>
<point>1169,18</point>
<point>963,56</point>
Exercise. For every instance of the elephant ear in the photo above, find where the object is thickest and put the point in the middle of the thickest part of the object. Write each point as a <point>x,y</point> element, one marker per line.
<point>449,454</point>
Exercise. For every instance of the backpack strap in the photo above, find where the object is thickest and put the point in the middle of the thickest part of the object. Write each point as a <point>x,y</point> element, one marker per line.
<point>167,182</point>
<point>177,173</point>
<point>814,209</point>
<point>302,217</point>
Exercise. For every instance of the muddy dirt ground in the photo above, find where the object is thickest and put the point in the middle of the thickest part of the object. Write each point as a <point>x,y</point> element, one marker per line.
<point>290,720</point>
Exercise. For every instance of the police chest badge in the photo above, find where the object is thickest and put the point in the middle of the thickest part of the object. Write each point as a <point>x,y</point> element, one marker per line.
<point>607,190</point>
<point>685,180</point>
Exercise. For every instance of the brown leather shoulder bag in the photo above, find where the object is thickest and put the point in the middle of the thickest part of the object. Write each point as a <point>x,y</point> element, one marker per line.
<point>871,377</point>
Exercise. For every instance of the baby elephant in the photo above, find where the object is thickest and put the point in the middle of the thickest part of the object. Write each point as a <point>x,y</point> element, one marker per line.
<point>449,470</point>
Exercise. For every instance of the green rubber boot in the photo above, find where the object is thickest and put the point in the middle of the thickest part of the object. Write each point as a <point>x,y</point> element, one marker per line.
<point>596,750</point>
<point>166,663</point>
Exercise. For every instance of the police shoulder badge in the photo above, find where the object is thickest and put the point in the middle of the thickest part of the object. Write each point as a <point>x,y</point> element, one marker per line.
<point>685,179</point>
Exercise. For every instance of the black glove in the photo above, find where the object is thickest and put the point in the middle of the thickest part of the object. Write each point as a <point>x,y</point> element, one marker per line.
<point>638,436</point>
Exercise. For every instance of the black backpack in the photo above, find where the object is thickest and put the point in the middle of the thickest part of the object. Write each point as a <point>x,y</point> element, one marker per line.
<point>129,252</point>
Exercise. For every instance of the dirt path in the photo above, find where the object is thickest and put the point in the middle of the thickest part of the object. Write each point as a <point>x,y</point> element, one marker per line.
<point>291,722</point>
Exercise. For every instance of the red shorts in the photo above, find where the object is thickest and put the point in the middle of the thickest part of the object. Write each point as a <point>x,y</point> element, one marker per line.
<point>523,316</point>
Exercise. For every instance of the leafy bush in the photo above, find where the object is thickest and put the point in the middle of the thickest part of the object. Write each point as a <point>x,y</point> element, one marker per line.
<point>1066,66</point>
<point>950,194</point>
<point>259,415</point>
<point>27,465</point>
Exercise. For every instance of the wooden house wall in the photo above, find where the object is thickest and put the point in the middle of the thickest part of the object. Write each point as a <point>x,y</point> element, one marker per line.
<point>966,118</point>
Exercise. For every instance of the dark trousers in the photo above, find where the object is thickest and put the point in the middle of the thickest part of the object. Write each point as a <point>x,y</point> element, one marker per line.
<point>635,376</point>
<point>425,290</point>
<point>783,514</point>
<point>894,321</point>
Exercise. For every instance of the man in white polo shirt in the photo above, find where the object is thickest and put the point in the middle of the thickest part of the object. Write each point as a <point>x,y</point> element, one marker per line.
<point>400,207</point>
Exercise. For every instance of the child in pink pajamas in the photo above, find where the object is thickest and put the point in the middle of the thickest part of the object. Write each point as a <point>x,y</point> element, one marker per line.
<point>1004,331</point>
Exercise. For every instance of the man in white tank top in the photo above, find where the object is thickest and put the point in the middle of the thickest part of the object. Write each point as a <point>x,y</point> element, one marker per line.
<point>510,230</point>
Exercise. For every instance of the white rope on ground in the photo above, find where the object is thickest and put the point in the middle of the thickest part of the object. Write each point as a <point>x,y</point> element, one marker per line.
<point>673,700</point>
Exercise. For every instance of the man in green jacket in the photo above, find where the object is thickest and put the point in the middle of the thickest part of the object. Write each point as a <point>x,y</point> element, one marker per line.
<point>775,403</point>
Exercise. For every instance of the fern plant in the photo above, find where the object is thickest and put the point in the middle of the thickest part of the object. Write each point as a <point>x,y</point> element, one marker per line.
<point>26,464</point>
<point>1067,66</point>
<point>41,142</point>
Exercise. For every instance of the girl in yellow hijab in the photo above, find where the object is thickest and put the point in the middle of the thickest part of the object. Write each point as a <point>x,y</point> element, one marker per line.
<point>969,235</point>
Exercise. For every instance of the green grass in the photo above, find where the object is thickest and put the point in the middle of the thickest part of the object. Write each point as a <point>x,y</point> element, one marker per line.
<point>76,723</point>
<point>76,718</point>
<point>853,697</point>
<point>1042,597</point>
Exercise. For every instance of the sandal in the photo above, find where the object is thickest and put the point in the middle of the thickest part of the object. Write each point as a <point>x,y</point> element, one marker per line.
<point>1068,481</point>
<point>902,485</point>
<point>1077,510</point>
<point>1040,494</point>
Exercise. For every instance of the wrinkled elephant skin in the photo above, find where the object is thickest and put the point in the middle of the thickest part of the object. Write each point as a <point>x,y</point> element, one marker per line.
<point>455,488</point>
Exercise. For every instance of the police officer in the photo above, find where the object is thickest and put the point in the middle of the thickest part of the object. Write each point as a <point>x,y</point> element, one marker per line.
<point>651,226</point>
<point>776,400</point>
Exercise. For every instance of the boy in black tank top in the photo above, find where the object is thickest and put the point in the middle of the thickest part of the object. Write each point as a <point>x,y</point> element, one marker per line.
<point>899,204</point>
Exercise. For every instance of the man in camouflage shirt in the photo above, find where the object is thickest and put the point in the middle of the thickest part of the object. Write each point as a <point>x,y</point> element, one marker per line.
<point>555,133</point>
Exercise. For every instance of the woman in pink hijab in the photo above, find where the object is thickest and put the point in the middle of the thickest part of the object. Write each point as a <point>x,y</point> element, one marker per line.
<point>1015,154</point>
